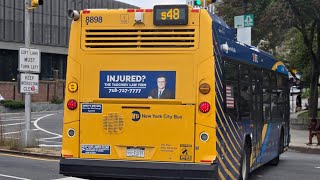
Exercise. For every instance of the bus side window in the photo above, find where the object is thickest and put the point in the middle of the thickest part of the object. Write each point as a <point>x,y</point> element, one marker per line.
<point>274,98</point>
<point>282,100</point>
<point>231,74</point>
<point>245,93</point>
<point>266,96</point>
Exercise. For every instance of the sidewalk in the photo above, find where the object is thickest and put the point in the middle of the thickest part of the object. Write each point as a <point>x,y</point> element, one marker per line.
<point>299,138</point>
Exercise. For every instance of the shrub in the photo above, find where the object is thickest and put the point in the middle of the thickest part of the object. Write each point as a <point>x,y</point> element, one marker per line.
<point>306,93</point>
<point>56,100</point>
<point>13,104</point>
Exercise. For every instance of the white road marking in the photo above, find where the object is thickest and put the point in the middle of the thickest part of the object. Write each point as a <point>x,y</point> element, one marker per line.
<point>5,125</point>
<point>317,167</point>
<point>49,145</point>
<point>38,127</point>
<point>13,177</point>
<point>41,140</point>
<point>10,137</point>
<point>7,120</point>
<point>56,137</point>
<point>69,178</point>
<point>16,132</point>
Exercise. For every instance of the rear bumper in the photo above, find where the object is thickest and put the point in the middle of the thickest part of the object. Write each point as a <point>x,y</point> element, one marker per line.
<point>137,170</point>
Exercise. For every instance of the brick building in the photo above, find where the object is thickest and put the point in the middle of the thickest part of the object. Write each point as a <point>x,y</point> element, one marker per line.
<point>49,32</point>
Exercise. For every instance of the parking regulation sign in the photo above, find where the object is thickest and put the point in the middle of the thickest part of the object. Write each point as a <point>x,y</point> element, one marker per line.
<point>29,60</point>
<point>29,83</point>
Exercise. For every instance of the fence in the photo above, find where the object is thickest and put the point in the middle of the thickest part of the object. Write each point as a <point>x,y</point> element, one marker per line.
<point>47,90</point>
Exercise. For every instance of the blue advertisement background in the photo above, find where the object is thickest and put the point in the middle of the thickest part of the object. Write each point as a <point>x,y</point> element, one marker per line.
<point>108,90</point>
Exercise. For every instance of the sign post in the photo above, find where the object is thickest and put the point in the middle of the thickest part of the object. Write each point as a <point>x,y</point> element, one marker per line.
<point>29,62</point>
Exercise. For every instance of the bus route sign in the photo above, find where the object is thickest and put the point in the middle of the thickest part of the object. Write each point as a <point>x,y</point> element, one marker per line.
<point>244,21</point>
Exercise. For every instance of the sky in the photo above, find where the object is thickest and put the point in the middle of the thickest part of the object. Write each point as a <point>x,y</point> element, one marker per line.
<point>151,3</point>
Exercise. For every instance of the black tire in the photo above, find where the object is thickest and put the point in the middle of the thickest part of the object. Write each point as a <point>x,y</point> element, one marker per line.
<point>275,161</point>
<point>245,162</point>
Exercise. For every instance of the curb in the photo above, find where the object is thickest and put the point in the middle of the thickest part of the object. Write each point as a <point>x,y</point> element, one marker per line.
<point>30,154</point>
<point>307,150</point>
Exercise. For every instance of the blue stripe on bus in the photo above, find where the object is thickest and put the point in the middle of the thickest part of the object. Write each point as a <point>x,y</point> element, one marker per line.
<point>266,140</point>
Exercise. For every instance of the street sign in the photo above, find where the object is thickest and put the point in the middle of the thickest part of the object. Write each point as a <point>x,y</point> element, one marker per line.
<point>244,21</point>
<point>29,83</point>
<point>29,60</point>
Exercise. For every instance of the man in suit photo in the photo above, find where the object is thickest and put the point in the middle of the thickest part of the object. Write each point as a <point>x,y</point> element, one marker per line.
<point>161,92</point>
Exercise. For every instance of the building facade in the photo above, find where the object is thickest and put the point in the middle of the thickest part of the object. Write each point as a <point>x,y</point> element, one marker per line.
<point>50,29</point>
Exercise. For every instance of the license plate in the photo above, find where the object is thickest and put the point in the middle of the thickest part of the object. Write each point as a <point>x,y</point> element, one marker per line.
<point>135,152</point>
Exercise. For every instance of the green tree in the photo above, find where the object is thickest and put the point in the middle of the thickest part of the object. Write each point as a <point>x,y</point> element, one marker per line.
<point>297,54</point>
<point>273,19</point>
<point>304,15</point>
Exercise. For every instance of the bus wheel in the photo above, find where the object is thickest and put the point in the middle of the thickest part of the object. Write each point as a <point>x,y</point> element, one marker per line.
<point>245,162</point>
<point>275,161</point>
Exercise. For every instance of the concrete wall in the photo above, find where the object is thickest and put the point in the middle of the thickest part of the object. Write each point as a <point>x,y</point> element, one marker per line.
<point>47,90</point>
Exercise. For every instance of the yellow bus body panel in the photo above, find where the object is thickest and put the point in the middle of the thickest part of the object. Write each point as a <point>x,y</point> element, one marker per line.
<point>174,139</point>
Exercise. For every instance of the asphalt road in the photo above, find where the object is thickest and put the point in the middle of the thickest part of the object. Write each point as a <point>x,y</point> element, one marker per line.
<point>293,166</point>
<point>46,127</point>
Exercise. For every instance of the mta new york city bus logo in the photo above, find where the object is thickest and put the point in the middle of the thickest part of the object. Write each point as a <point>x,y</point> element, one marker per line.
<point>136,115</point>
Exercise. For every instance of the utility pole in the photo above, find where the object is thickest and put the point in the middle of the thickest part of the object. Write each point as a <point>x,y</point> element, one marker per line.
<point>27,97</point>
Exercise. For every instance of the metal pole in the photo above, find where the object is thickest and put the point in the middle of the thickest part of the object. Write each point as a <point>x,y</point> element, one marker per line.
<point>27,99</point>
<point>245,6</point>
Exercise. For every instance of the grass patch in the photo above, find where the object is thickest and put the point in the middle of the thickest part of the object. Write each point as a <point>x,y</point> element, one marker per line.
<point>305,115</point>
<point>306,93</point>
<point>12,104</point>
<point>56,100</point>
<point>11,144</point>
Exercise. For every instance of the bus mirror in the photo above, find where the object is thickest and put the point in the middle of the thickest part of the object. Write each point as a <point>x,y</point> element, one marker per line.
<point>73,14</point>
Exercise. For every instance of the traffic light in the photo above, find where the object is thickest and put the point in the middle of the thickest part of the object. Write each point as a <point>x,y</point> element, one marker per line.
<point>36,3</point>
<point>197,2</point>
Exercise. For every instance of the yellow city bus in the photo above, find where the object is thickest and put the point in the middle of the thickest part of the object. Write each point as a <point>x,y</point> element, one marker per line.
<point>168,93</point>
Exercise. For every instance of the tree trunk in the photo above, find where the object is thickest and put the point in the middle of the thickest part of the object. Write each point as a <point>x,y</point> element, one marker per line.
<point>314,92</point>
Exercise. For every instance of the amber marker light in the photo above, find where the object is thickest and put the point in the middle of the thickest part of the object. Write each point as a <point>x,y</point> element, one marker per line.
<point>204,88</point>
<point>72,87</point>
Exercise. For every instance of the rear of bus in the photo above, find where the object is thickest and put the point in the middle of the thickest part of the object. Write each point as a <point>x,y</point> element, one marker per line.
<point>140,95</point>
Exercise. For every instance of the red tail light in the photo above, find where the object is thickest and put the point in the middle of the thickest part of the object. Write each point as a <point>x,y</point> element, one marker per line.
<point>195,10</point>
<point>130,10</point>
<point>86,11</point>
<point>72,104</point>
<point>204,107</point>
